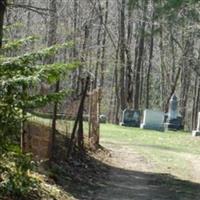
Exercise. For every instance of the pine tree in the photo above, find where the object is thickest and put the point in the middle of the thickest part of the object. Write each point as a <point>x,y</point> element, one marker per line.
<point>26,71</point>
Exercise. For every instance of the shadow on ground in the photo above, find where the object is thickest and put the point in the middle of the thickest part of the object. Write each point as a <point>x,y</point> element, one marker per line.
<point>89,177</point>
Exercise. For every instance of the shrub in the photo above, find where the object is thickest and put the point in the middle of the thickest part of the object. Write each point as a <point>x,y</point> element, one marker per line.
<point>15,181</point>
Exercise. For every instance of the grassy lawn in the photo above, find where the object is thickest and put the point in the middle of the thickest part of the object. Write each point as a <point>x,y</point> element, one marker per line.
<point>170,151</point>
<point>164,141</point>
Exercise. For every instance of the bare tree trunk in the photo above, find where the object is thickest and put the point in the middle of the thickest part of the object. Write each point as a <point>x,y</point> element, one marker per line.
<point>75,27</point>
<point>197,103</point>
<point>162,66</point>
<point>173,55</point>
<point>2,12</point>
<point>148,86</point>
<point>186,78</point>
<point>74,79</point>
<point>195,106</point>
<point>51,41</point>
<point>142,85</point>
<point>139,61</point>
<point>122,55</point>
<point>78,119</point>
<point>129,70</point>
<point>112,99</point>
<point>103,46</point>
<point>117,95</point>
<point>29,18</point>
<point>98,44</point>
<point>135,61</point>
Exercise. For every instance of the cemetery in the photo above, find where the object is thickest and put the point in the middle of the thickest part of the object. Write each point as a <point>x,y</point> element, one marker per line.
<point>154,119</point>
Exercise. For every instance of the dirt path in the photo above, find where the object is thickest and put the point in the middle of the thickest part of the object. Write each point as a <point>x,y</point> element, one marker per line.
<point>131,177</point>
<point>194,161</point>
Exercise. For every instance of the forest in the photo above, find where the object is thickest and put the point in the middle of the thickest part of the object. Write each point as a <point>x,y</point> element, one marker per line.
<point>64,63</point>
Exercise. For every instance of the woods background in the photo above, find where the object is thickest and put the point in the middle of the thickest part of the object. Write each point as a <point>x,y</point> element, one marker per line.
<point>139,51</point>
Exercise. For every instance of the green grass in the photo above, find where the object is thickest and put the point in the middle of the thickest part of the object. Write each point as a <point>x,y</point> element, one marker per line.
<point>163,141</point>
<point>169,151</point>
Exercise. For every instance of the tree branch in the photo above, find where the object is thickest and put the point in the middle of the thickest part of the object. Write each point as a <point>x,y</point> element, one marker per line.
<point>105,26</point>
<point>177,42</point>
<point>40,11</point>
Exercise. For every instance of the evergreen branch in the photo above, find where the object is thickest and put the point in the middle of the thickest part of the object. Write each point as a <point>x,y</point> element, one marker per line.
<point>30,58</point>
<point>41,100</point>
<point>50,73</point>
<point>13,45</point>
<point>38,10</point>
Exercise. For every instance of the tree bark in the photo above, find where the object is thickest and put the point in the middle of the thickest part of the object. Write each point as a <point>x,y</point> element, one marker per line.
<point>78,118</point>
<point>74,75</point>
<point>122,55</point>
<point>98,44</point>
<point>2,12</point>
<point>139,61</point>
<point>173,55</point>
<point>103,46</point>
<point>52,30</point>
<point>129,70</point>
<point>162,66</point>
<point>148,86</point>
<point>117,104</point>
<point>186,77</point>
<point>197,103</point>
<point>195,106</point>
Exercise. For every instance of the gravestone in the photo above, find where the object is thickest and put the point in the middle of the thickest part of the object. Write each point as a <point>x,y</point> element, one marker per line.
<point>85,117</point>
<point>153,120</point>
<point>173,108</point>
<point>197,131</point>
<point>130,118</point>
<point>102,119</point>
<point>173,121</point>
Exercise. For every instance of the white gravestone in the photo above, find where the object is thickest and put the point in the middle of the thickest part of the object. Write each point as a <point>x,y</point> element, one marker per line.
<point>153,120</point>
<point>197,132</point>
<point>174,121</point>
<point>173,108</point>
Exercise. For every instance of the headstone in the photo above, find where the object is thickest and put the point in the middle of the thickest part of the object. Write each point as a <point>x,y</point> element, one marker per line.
<point>153,120</point>
<point>173,121</point>
<point>173,108</point>
<point>102,119</point>
<point>130,118</point>
<point>197,131</point>
<point>85,117</point>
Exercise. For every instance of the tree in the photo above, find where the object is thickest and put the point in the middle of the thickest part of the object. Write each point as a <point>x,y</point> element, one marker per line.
<point>3,4</point>
<point>140,57</point>
<point>20,71</point>
<point>52,41</point>
<point>122,49</point>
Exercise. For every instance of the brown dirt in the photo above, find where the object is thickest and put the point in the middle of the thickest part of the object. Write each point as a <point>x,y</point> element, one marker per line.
<point>194,161</point>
